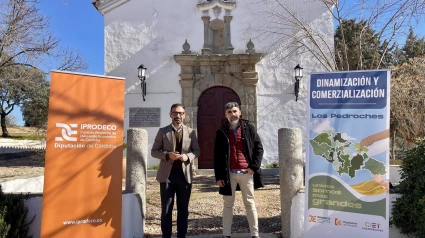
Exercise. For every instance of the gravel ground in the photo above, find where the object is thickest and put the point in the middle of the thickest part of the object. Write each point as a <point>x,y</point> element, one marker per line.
<point>205,208</point>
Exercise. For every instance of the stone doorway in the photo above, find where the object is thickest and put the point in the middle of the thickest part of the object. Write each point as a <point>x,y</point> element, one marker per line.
<point>235,72</point>
<point>210,117</point>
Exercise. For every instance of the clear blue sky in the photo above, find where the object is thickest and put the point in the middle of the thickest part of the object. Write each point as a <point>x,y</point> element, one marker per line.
<point>80,26</point>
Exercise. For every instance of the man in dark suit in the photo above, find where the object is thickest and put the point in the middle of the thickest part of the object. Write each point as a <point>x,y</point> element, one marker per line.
<point>176,145</point>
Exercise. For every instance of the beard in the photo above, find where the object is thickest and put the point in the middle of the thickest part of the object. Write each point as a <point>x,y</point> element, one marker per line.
<point>177,121</point>
<point>234,122</point>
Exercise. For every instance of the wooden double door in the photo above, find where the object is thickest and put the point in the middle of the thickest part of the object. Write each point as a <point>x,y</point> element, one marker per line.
<point>210,116</point>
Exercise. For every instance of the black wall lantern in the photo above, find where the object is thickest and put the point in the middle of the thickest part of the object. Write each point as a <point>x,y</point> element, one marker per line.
<point>142,77</point>
<point>298,77</point>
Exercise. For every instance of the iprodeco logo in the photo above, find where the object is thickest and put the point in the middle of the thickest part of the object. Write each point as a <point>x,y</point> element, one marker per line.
<point>67,132</point>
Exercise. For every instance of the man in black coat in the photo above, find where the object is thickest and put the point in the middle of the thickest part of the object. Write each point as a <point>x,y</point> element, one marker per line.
<point>237,157</point>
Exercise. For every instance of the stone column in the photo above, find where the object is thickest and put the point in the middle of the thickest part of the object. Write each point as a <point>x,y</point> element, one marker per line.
<point>290,172</point>
<point>227,36</point>
<point>190,107</point>
<point>187,90</point>
<point>207,44</point>
<point>250,80</point>
<point>137,164</point>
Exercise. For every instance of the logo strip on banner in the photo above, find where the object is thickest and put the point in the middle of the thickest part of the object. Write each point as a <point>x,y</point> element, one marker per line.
<point>347,169</point>
<point>82,184</point>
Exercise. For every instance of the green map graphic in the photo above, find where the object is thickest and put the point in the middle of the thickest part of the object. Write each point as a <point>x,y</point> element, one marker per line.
<point>332,147</point>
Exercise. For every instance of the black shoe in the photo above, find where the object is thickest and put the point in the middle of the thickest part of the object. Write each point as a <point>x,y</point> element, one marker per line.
<point>226,236</point>
<point>255,237</point>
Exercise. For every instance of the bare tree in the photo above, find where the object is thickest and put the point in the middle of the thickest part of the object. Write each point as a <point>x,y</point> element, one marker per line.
<point>25,39</point>
<point>408,101</point>
<point>288,21</point>
<point>26,43</point>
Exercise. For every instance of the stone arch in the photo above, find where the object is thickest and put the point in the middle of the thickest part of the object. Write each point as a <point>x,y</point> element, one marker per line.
<point>201,72</point>
<point>236,85</point>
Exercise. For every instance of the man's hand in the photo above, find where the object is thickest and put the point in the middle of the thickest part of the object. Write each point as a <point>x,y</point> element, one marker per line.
<point>183,157</point>
<point>174,155</point>
<point>250,171</point>
<point>220,183</point>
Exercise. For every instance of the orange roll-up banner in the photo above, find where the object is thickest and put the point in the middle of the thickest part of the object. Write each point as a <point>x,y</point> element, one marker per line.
<point>83,178</point>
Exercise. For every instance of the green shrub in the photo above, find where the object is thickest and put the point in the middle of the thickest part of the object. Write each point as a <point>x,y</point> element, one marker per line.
<point>4,226</point>
<point>409,210</point>
<point>13,212</point>
<point>271,166</point>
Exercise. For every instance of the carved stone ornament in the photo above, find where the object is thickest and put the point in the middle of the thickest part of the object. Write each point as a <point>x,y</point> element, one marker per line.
<point>186,48</point>
<point>250,47</point>
<point>211,4</point>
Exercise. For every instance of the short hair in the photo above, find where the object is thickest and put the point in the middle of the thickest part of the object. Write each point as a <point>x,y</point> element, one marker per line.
<point>231,105</point>
<point>176,105</point>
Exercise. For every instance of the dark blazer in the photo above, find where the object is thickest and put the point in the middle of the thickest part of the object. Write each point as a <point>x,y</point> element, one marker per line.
<point>253,151</point>
<point>165,141</point>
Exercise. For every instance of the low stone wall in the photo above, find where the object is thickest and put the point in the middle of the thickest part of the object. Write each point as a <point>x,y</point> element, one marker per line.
<point>14,149</point>
<point>16,146</point>
<point>131,226</point>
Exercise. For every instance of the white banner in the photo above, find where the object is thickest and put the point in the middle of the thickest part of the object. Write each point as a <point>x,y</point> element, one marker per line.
<point>347,169</point>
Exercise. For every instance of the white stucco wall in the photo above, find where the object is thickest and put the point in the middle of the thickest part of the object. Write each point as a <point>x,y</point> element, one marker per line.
<point>151,32</point>
<point>24,185</point>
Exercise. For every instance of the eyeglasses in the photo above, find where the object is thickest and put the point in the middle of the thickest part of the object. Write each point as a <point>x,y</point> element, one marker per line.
<point>177,113</point>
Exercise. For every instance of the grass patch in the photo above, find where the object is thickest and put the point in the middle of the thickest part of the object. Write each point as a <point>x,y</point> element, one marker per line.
<point>155,167</point>
<point>26,133</point>
<point>396,162</point>
<point>26,137</point>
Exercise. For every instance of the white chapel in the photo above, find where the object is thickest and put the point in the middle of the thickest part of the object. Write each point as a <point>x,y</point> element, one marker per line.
<point>203,54</point>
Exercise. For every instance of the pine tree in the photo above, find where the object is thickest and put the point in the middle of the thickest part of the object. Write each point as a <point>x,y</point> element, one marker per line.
<point>356,45</point>
<point>413,47</point>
